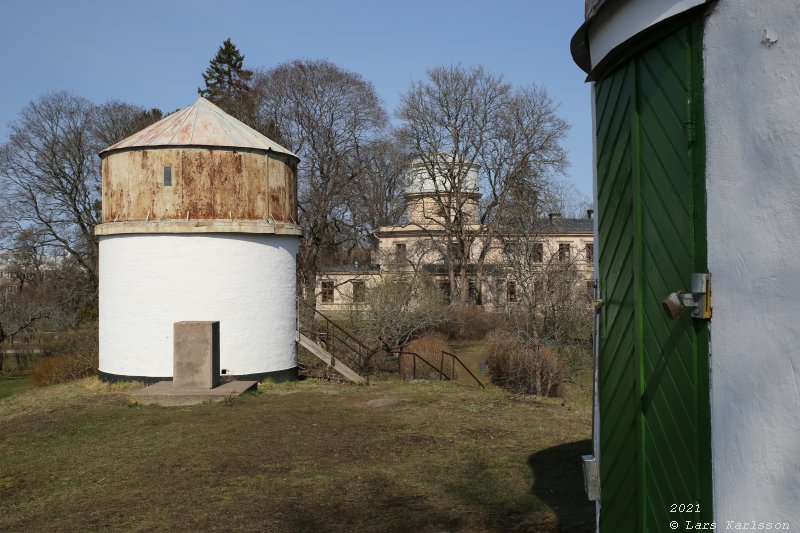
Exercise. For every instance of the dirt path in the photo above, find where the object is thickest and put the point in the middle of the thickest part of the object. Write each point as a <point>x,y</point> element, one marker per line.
<point>473,355</point>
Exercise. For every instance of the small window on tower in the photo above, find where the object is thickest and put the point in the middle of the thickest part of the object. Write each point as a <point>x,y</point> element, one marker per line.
<point>168,176</point>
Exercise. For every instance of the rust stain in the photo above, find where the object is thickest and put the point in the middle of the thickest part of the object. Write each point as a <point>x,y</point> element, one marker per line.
<point>276,203</point>
<point>208,183</point>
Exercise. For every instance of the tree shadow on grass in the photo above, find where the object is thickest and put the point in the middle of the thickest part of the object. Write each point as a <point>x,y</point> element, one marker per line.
<point>558,481</point>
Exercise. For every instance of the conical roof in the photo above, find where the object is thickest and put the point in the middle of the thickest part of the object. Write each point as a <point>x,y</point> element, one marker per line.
<point>200,124</point>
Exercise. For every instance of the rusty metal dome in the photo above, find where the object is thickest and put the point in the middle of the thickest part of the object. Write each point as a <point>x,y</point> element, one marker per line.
<point>201,124</point>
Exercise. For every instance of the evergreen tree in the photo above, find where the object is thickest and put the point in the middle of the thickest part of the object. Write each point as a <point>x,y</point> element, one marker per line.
<point>227,81</point>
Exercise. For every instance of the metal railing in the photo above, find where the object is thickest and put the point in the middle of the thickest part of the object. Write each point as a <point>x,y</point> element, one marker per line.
<point>419,366</point>
<point>344,346</point>
<point>415,357</point>
<point>337,341</point>
<point>455,359</point>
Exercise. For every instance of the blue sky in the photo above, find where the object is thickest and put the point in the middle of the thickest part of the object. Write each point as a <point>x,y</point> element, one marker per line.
<point>152,53</point>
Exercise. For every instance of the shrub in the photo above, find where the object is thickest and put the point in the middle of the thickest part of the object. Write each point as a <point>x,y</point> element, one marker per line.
<point>68,356</point>
<point>471,323</point>
<point>523,368</point>
<point>429,347</point>
<point>398,309</point>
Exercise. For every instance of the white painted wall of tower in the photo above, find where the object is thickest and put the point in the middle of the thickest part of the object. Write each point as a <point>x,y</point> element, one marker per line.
<point>150,281</point>
<point>752,83</point>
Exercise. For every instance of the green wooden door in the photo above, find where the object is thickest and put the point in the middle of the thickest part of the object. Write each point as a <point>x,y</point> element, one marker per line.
<point>652,371</point>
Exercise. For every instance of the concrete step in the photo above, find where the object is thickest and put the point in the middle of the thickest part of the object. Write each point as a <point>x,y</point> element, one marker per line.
<point>167,394</point>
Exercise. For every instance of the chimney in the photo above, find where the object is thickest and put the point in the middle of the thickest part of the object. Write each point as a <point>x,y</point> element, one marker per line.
<point>590,213</point>
<point>554,216</point>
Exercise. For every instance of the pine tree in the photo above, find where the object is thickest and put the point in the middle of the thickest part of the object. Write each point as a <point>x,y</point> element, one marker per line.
<point>227,81</point>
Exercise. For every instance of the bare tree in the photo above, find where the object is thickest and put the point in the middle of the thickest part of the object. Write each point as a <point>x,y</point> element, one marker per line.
<point>50,171</point>
<point>115,120</point>
<point>50,174</point>
<point>329,117</point>
<point>464,122</point>
<point>399,309</point>
<point>378,198</point>
<point>550,281</point>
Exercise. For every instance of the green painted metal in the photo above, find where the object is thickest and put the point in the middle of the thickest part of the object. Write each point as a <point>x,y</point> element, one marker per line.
<point>652,372</point>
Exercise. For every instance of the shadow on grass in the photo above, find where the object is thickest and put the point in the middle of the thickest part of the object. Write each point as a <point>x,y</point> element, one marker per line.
<point>558,481</point>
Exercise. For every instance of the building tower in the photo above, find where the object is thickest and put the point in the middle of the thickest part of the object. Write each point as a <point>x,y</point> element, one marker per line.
<point>455,184</point>
<point>198,223</point>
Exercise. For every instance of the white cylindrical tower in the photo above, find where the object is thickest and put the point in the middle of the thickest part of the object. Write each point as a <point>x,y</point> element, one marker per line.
<point>199,223</point>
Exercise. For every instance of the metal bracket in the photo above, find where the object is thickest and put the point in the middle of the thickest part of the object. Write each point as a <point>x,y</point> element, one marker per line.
<point>698,301</point>
<point>591,477</point>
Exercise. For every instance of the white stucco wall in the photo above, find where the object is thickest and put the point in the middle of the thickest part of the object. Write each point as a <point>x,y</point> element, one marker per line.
<point>150,281</point>
<point>752,92</point>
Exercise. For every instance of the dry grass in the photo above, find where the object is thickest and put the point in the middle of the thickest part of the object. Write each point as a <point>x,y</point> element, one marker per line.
<point>68,356</point>
<point>429,348</point>
<point>522,368</point>
<point>60,397</point>
<point>309,456</point>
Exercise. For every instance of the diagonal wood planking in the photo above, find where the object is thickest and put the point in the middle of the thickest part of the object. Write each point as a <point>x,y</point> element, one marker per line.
<point>652,391</point>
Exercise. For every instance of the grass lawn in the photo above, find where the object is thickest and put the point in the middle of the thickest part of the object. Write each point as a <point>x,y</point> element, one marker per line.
<point>309,456</point>
<point>13,384</point>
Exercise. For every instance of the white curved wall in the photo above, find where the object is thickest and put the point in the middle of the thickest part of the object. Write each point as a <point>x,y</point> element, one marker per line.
<point>150,281</point>
<point>619,21</point>
<point>752,95</point>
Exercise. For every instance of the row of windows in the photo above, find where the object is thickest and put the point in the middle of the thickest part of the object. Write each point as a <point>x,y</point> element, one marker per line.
<point>359,292</point>
<point>536,252</point>
<point>475,295</point>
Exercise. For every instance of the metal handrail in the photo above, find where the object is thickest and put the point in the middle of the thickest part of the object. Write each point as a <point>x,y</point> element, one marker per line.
<point>335,333</point>
<point>337,326</point>
<point>401,353</point>
<point>455,357</point>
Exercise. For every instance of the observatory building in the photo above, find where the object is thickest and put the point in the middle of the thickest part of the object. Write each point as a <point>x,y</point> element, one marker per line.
<point>455,184</point>
<point>198,224</point>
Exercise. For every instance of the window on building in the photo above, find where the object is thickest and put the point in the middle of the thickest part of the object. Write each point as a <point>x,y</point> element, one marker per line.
<point>590,290</point>
<point>444,286</point>
<point>537,252</point>
<point>167,176</point>
<point>400,251</point>
<point>563,252</point>
<point>359,292</point>
<point>454,251</point>
<point>474,290</point>
<point>327,292</point>
<point>511,291</point>
<point>589,252</point>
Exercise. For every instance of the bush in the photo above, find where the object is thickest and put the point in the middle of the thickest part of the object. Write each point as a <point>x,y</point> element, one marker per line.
<point>471,323</point>
<point>68,356</point>
<point>522,367</point>
<point>429,348</point>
